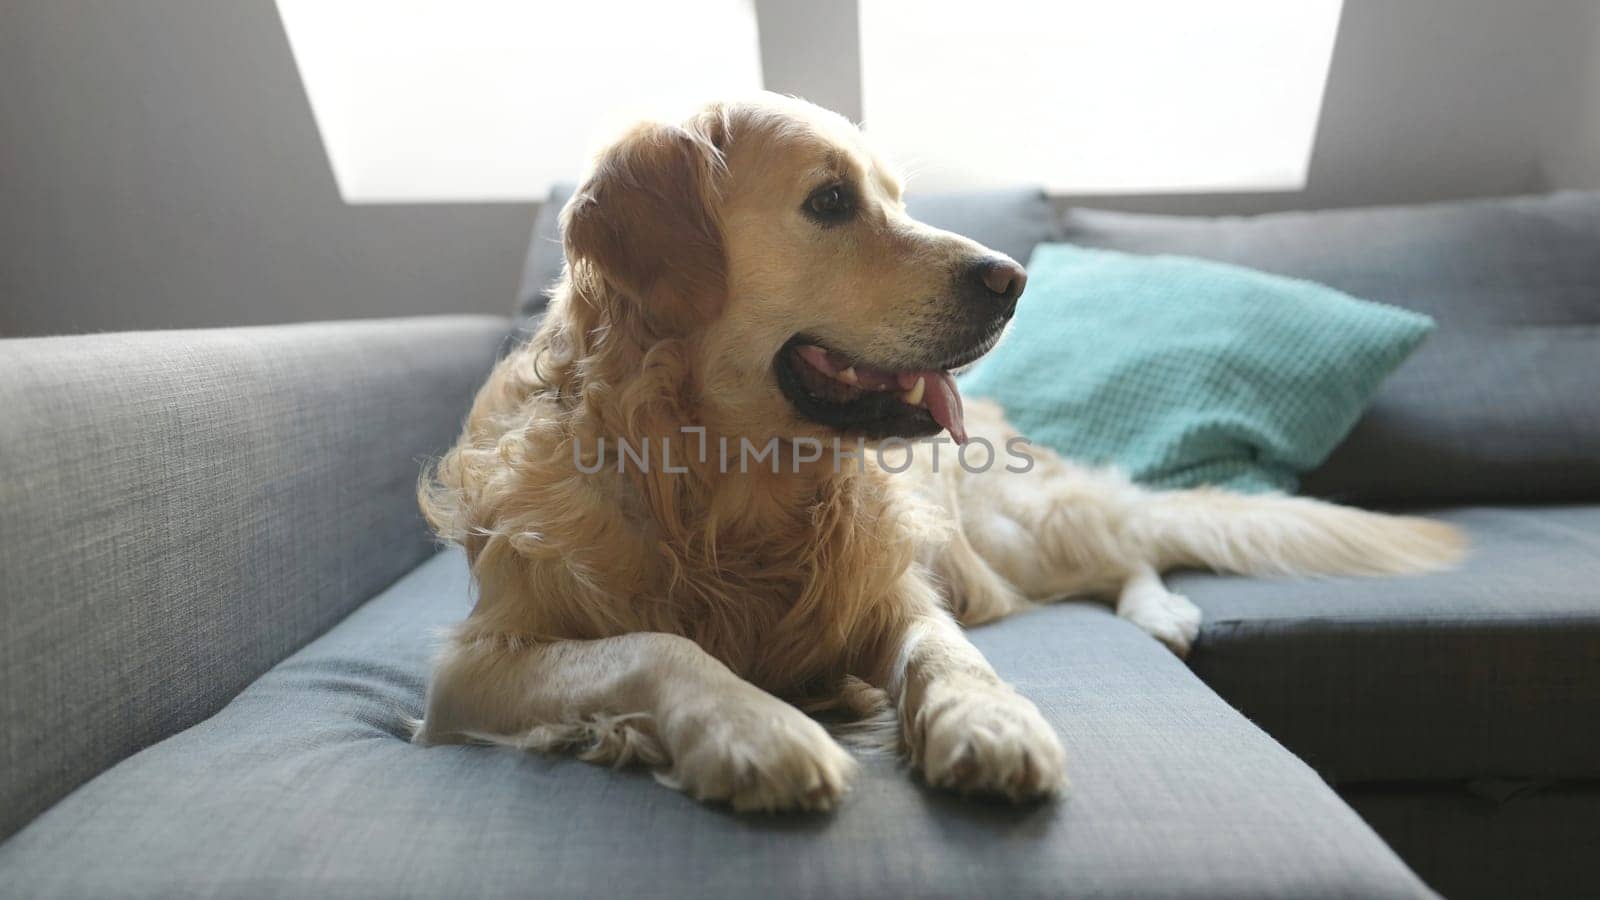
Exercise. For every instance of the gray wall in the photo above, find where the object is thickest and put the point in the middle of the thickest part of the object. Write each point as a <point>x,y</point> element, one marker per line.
<point>159,166</point>
<point>1572,143</point>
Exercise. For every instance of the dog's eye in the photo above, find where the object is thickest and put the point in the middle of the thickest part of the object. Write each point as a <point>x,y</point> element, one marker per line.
<point>829,205</point>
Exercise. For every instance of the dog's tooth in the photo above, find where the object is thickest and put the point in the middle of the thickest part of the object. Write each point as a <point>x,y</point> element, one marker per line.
<point>914,396</point>
<point>848,375</point>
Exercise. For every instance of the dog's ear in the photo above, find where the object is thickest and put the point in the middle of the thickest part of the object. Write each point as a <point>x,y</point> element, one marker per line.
<point>646,222</point>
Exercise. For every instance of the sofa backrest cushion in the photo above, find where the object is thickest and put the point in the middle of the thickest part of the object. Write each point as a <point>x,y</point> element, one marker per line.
<point>542,266</point>
<point>1503,401</point>
<point>180,510</point>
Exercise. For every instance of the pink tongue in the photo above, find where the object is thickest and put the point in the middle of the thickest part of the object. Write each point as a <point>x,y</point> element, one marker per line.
<point>942,399</point>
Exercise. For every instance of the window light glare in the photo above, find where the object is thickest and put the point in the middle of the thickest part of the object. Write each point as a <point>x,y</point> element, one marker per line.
<point>491,100</point>
<point>1091,97</point>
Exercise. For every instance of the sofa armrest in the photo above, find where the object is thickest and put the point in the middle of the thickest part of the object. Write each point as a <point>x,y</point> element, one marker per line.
<point>180,510</point>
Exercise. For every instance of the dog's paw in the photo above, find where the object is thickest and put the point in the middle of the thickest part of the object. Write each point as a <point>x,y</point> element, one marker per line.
<point>1170,618</point>
<point>760,756</point>
<point>989,740</point>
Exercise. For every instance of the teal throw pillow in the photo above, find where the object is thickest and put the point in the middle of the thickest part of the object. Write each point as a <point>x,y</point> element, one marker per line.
<point>1184,372</point>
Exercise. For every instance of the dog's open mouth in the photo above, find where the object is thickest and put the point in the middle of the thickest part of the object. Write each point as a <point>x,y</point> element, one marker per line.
<point>831,388</point>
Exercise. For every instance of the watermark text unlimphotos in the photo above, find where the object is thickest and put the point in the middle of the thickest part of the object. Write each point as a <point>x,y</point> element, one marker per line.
<point>744,455</point>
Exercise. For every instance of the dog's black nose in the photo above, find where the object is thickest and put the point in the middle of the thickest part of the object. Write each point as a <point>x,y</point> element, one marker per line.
<point>999,278</point>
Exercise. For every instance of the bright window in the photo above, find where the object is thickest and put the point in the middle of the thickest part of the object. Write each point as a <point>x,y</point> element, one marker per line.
<point>472,100</point>
<point>1096,96</point>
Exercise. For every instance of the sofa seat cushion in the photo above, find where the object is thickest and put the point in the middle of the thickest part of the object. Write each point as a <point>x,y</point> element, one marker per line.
<point>1535,843</point>
<point>1489,670</point>
<point>306,786</point>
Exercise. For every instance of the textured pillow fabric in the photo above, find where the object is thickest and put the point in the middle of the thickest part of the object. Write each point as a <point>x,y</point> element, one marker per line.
<point>1503,402</point>
<point>1183,372</point>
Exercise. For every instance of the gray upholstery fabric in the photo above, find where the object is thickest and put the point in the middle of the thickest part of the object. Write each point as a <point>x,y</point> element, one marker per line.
<point>1493,669</point>
<point>1011,221</point>
<point>1536,845</point>
<point>180,510</point>
<point>306,786</point>
<point>1502,402</point>
<point>545,258</point>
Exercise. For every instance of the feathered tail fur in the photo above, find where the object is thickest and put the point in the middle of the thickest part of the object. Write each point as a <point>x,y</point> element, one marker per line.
<point>1272,534</point>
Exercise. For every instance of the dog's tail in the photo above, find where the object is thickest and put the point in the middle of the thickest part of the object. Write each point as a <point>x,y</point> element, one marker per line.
<point>1271,534</point>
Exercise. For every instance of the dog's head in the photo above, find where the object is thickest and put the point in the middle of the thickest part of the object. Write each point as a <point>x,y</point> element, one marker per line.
<point>770,238</point>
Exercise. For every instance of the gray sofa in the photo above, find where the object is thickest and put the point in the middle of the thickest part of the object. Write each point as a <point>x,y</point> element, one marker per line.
<point>217,603</point>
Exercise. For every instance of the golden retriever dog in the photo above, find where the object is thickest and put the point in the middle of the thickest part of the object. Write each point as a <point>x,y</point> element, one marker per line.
<point>679,541</point>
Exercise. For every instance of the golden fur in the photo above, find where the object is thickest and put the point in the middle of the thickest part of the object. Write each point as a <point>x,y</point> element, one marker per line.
<point>659,612</point>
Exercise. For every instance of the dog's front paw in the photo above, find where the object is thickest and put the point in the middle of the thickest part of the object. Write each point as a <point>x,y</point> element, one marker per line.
<point>1172,619</point>
<point>987,740</point>
<point>759,755</point>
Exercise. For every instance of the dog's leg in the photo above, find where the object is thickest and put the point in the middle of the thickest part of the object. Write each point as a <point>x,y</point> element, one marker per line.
<point>1169,618</point>
<point>653,697</point>
<point>966,729</point>
<point>974,591</point>
<point>1059,529</point>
